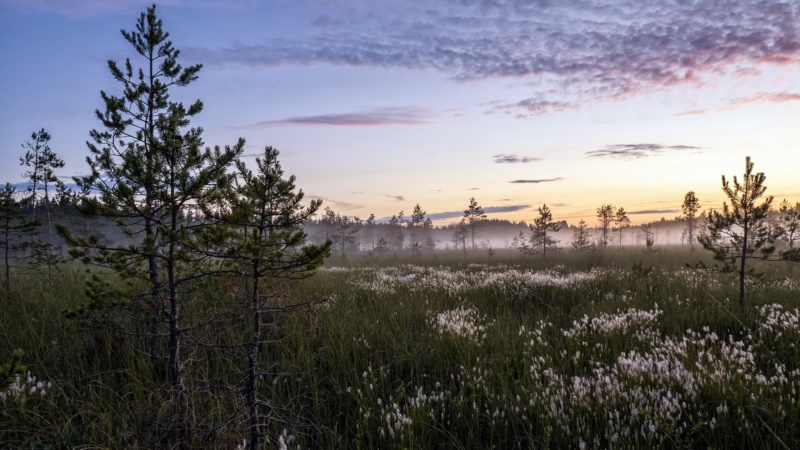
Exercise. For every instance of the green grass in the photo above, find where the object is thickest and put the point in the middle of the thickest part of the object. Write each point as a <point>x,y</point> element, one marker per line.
<point>615,349</point>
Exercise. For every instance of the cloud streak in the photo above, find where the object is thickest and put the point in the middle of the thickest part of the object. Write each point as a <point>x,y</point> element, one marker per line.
<point>487,210</point>
<point>767,97</point>
<point>338,204</point>
<point>376,117</point>
<point>514,159</point>
<point>543,180</point>
<point>653,211</point>
<point>637,151</point>
<point>397,198</point>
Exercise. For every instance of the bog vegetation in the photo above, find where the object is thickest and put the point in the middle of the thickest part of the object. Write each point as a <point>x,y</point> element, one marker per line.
<point>178,301</point>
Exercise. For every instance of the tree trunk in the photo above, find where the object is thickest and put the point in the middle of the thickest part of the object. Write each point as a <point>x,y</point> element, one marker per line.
<point>252,362</point>
<point>742,265</point>
<point>8,249</point>
<point>180,401</point>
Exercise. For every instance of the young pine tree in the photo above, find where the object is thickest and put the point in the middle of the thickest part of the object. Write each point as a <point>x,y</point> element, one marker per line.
<point>41,161</point>
<point>415,225</point>
<point>267,247</point>
<point>541,228</point>
<point>739,232</point>
<point>472,217</point>
<point>460,233</point>
<point>621,221</point>
<point>147,166</point>
<point>690,209</point>
<point>789,219</point>
<point>605,214</point>
<point>581,238</point>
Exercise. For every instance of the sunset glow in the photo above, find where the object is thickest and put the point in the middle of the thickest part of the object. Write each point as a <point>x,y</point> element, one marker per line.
<point>378,106</point>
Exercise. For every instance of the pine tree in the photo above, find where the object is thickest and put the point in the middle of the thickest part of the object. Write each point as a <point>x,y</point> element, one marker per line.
<point>690,209</point>
<point>396,235</point>
<point>148,167</point>
<point>460,234</point>
<point>541,228</point>
<point>13,226</point>
<point>521,242</point>
<point>340,230</point>
<point>649,236</point>
<point>581,237</point>
<point>42,162</point>
<point>789,219</point>
<point>267,246</point>
<point>739,232</point>
<point>415,226</point>
<point>427,227</point>
<point>621,221</point>
<point>369,231</point>
<point>605,214</point>
<point>472,216</point>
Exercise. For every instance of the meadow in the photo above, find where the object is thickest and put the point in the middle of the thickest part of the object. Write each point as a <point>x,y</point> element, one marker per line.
<point>609,349</point>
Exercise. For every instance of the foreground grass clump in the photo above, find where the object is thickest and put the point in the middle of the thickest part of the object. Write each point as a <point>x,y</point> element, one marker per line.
<point>629,353</point>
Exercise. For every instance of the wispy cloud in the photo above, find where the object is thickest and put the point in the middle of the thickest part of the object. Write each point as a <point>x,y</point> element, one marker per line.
<point>570,52</point>
<point>531,107</point>
<point>653,211</point>
<point>513,159</point>
<point>473,189</point>
<point>543,180</point>
<point>739,102</point>
<point>487,210</point>
<point>346,206</point>
<point>397,198</point>
<point>767,97</point>
<point>637,151</point>
<point>375,117</point>
<point>694,112</point>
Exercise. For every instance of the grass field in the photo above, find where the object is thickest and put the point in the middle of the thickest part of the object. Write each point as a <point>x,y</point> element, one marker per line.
<point>614,349</point>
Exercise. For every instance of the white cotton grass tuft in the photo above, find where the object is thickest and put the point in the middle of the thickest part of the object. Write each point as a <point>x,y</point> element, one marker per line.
<point>25,386</point>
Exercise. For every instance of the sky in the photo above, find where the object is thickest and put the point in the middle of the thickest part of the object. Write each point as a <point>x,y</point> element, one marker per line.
<point>377,105</point>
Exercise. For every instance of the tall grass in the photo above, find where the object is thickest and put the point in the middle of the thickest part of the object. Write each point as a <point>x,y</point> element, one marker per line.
<point>614,349</point>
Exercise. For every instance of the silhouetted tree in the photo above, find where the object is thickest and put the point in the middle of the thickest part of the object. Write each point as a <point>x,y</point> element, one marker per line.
<point>649,236</point>
<point>541,228</point>
<point>621,221</point>
<point>397,237</point>
<point>521,242</point>
<point>427,228</point>
<point>340,230</point>
<point>41,162</point>
<point>690,209</point>
<point>415,225</point>
<point>472,216</point>
<point>460,235</point>
<point>739,231</point>
<point>382,245</point>
<point>789,222</point>
<point>369,231</point>
<point>605,214</point>
<point>581,237</point>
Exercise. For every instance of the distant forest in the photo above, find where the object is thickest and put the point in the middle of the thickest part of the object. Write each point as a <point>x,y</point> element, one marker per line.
<point>348,234</point>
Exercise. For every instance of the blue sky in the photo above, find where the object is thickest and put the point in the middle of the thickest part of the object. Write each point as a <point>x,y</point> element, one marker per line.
<point>379,105</point>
